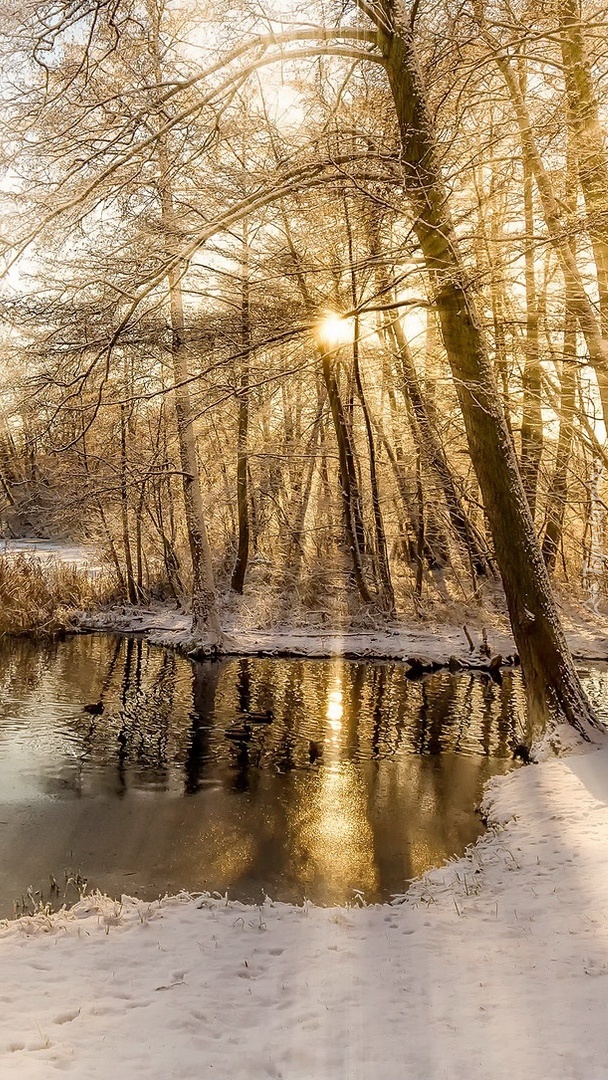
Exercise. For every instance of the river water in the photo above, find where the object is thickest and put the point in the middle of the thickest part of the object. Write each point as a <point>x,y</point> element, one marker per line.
<point>326,780</point>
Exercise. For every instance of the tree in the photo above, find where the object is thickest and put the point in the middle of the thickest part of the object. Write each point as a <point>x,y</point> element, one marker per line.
<point>551,680</point>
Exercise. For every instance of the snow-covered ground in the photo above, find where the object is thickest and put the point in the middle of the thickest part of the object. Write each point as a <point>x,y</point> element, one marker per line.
<point>587,635</point>
<point>495,967</point>
<point>164,626</point>
<point>86,558</point>
<point>587,631</point>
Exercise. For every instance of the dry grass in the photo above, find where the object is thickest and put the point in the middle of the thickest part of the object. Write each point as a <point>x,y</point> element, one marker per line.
<point>44,597</point>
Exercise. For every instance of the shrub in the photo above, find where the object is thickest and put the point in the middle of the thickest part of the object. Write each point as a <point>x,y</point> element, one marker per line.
<point>44,597</point>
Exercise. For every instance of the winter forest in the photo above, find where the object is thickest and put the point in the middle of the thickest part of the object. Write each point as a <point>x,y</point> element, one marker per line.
<point>304,352</point>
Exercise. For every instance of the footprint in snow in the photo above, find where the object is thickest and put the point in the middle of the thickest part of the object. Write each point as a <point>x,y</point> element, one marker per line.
<point>66,1017</point>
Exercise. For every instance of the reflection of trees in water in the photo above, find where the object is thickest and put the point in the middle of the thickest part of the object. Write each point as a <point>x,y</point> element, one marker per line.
<point>282,751</point>
<point>149,723</point>
<point>32,671</point>
<point>145,718</point>
<point>353,681</point>
<point>378,717</point>
<point>403,762</point>
<point>205,679</point>
<point>487,712</point>
<point>430,727</point>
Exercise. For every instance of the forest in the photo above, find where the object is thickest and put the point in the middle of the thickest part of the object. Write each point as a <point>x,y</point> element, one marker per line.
<point>303,494</point>
<point>309,305</point>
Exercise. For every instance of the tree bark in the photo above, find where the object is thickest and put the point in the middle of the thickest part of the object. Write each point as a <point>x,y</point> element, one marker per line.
<point>551,680</point>
<point>124,510</point>
<point>242,557</point>
<point>205,619</point>
<point>589,141</point>
<point>532,420</point>
<point>556,502</point>
<point>556,505</point>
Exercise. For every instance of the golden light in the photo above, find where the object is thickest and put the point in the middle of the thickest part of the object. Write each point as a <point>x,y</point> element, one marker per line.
<point>332,331</point>
<point>336,837</point>
<point>414,324</point>
<point>335,710</point>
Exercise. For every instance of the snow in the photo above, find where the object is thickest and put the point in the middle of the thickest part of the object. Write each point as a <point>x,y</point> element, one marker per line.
<point>494,966</point>
<point>81,556</point>
<point>164,626</point>
<point>431,641</point>
<point>490,967</point>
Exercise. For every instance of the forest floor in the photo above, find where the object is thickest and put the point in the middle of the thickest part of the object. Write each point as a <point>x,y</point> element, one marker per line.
<point>495,966</point>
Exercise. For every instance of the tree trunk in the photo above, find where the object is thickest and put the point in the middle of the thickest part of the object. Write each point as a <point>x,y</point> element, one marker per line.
<point>386,585</point>
<point>532,420</point>
<point>556,228</point>
<point>589,141</point>
<point>551,679</point>
<point>422,416</point>
<point>347,469</point>
<point>429,444</point>
<point>124,510</point>
<point>205,619</point>
<point>556,505</point>
<point>347,477</point>
<point>240,566</point>
<point>556,502</point>
<point>387,592</point>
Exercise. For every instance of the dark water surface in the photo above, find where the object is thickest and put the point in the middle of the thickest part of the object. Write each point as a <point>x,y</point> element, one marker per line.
<point>179,785</point>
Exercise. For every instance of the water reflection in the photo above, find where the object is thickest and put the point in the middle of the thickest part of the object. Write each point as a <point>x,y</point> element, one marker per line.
<point>301,778</point>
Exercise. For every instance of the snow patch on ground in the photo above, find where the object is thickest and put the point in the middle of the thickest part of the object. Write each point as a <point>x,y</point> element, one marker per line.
<point>165,626</point>
<point>494,966</point>
<point>431,642</point>
<point>83,557</point>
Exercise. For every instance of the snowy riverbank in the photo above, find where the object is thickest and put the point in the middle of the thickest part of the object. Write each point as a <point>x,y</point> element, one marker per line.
<point>432,640</point>
<point>494,968</point>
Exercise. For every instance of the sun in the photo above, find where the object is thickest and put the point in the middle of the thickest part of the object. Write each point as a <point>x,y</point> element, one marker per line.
<point>332,331</point>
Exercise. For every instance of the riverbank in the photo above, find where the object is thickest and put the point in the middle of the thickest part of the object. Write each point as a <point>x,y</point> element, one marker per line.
<point>432,640</point>
<point>494,966</point>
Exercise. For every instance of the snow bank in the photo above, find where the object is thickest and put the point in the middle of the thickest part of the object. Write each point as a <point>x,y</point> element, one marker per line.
<point>432,642</point>
<point>164,626</point>
<point>492,968</point>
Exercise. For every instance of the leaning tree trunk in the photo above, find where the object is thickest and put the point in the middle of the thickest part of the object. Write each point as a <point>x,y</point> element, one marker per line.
<point>422,419</point>
<point>551,679</point>
<point>429,445</point>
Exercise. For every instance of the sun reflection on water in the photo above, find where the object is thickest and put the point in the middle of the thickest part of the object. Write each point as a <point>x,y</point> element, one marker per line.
<point>335,710</point>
